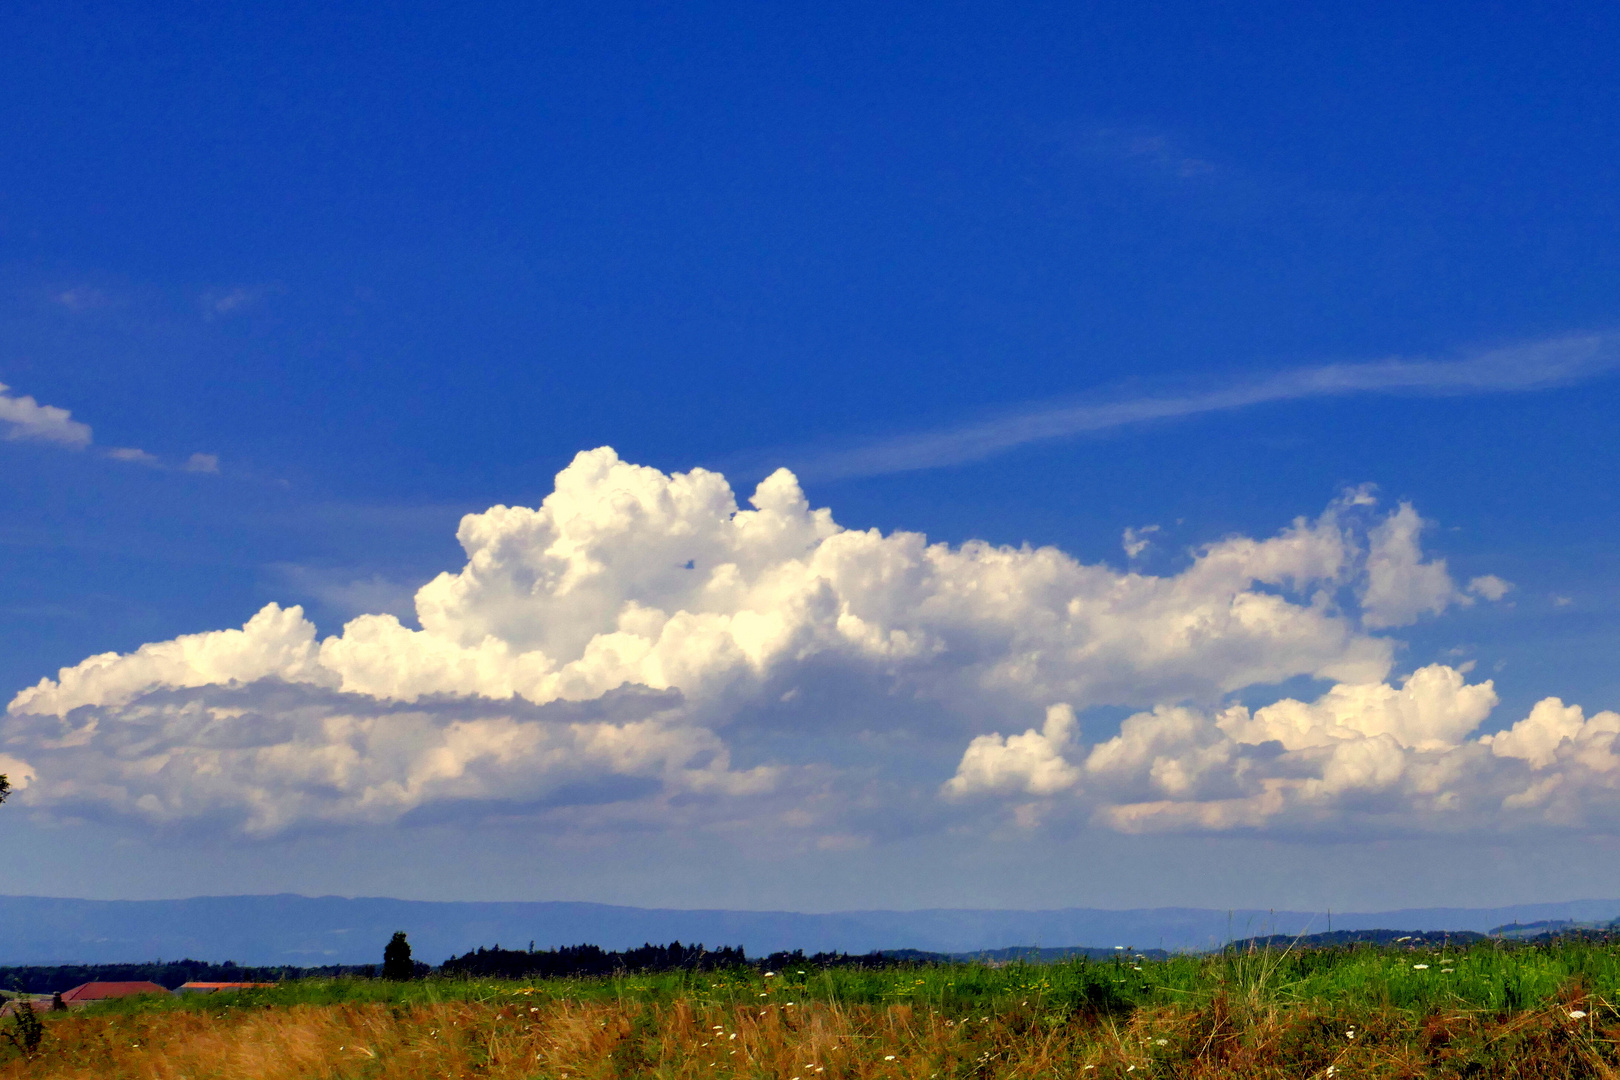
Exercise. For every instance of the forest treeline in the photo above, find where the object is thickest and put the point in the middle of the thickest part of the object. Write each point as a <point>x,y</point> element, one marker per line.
<point>55,978</point>
<point>581,961</point>
<point>590,960</point>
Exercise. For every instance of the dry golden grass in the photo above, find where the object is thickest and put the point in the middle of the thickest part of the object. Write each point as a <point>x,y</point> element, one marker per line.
<point>689,1040</point>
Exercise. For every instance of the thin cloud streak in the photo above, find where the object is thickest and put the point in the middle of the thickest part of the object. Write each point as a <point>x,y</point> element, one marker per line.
<point>1539,365</point>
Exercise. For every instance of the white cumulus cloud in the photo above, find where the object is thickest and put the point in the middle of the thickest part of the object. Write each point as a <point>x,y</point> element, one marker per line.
<point>1396,756</point>
<point>1490,587</point>
<point>25,418</point>
<point>1401,585</point>
<point>1032,762</point>
<point>269,755</point>
<point>636,637</point>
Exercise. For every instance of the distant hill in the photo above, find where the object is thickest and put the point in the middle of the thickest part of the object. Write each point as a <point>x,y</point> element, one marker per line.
<point>1033,955</point>
<point>1413,939</point>
<point>315,931</point>
<point>1548,927</point>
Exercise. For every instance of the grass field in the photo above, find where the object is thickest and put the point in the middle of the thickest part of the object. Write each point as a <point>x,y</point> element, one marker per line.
<point>1542,1011</point>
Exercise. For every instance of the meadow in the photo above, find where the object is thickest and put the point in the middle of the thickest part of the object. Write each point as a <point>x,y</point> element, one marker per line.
<point>1545,1010</point>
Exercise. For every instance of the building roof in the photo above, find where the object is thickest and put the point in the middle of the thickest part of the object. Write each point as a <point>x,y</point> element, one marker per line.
<point>97,991</point>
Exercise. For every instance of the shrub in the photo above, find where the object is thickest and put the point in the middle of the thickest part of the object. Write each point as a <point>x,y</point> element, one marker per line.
<point>27,1031</point>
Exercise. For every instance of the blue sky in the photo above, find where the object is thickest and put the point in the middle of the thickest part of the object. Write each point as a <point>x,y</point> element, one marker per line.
<point>1028,274</point>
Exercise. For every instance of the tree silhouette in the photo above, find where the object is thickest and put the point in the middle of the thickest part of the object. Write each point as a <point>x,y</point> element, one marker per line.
<point>5,787</point>
<point>397,958</point>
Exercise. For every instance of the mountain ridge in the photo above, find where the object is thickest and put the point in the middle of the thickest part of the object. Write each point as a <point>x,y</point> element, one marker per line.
<point>289,928</point>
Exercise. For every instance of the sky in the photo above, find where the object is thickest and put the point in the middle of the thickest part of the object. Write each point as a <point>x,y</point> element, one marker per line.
<point>811,456</point>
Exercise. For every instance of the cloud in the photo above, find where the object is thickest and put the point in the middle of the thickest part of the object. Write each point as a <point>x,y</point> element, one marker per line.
<point>1401,585</point>
<point>1136,541</point>
<point>197,463</point>
<point>25,418</point>
<point>765,663</point>
<point>1534,366</point>
<point>1394,757</point>
<point>269,756</point>
<point>131,454</point>
<point>19,774</point>
<point>1152,152</point>
<point>1553,732</point>
<point>228,302</point>
<point>82,298</point>
<point>350,593</point>
<point>1490,587</point>
<point>1032,762</point>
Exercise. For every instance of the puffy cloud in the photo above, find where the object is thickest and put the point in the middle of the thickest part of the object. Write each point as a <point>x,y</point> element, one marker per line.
<point>1400,585</point>
<point>25,418</point>
<point>1554,731</point>
<point>625,577</point>
<point>276,643</point>
<point>270,755</point>
<point>1432,709</point>
<point>1490,587</point>
<point>1032,762</point>
<point>1401,757</point>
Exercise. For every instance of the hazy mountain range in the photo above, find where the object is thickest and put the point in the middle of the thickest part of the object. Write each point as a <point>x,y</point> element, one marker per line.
<point>289,929</point>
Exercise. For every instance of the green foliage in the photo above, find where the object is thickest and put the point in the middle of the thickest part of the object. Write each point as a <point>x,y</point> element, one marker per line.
<point>588,960</point>
<point>54,978</point>
<point>397,965</point>
<point>27,1031</point>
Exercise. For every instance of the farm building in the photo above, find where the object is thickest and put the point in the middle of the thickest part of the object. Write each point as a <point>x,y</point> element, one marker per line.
<point>85,993</point>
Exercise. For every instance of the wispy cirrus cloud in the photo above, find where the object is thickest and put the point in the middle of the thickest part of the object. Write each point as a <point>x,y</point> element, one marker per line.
<point>1537,365</point>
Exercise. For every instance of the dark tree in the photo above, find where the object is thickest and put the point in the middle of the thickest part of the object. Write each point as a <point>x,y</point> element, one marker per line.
<point>5,787</point>
<point>397,959</point>
<point>594,961</point>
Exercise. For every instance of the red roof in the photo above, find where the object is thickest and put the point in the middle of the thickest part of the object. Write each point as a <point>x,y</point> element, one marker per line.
<point>97,991</point>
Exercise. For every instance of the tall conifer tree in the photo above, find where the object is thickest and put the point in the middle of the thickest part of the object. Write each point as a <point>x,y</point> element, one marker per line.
<point>397,958</point>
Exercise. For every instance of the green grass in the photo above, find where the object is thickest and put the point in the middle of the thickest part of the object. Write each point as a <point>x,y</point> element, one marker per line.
<point>1495,978</point>
<point>1523,1011</point>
